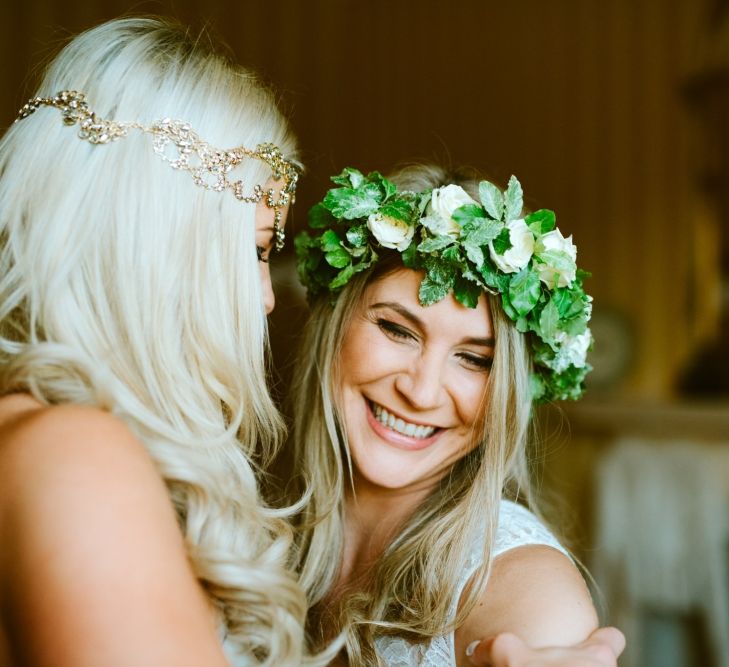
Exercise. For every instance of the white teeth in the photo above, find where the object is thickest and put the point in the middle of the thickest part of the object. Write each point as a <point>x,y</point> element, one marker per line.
<point>401,426</point>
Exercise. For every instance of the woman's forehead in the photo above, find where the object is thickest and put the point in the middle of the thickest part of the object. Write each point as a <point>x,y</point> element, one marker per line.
<point>401,287</point>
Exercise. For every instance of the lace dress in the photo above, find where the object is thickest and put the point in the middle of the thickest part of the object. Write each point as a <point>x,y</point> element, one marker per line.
<point>517,527</point>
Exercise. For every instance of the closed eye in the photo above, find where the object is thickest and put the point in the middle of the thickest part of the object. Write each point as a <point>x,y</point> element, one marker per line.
<point>394,331</point>
<point>476,361</point>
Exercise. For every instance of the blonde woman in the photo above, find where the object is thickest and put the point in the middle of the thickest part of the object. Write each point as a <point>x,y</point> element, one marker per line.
<point>439,312</point>
<point>134,286</point>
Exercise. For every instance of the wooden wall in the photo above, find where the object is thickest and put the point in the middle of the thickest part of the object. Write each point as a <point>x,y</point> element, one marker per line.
<point>579,98</point>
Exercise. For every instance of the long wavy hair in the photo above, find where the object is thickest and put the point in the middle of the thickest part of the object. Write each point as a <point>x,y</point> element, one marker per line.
<point>124,285</point>
<point>411,590</point>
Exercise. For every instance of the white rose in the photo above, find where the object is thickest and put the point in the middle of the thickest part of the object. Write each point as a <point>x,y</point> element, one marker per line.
<point>522,247</point>
<point>572,350</point>
<point>444,202</point>
<point>391,232</point>
<point>559,257</point>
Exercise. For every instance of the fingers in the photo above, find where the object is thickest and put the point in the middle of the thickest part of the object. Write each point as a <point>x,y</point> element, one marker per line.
<point>611,637</point>
<point>600,649</point>
<point>503,650</point>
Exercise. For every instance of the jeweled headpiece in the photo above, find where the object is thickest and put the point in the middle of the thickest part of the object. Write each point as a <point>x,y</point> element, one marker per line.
<point>208,166</point>
<point>463,247</point>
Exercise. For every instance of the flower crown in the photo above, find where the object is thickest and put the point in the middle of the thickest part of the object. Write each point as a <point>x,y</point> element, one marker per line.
<point>208,166</point>
<point>464,247</point>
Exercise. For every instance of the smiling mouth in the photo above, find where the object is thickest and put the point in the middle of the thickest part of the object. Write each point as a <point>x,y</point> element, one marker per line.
<point>387,419</point>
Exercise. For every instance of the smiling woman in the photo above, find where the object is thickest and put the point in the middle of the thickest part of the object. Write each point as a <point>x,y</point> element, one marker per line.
<point>412,382</point>
<point>423,353</point>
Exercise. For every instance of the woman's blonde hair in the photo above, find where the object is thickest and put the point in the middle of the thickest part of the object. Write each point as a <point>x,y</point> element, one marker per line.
<point>125,285</point>
<point>413,584</point>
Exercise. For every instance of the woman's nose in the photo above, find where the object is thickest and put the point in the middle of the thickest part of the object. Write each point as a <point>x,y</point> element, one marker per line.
<point>422,384</point>
<point>269,299</point>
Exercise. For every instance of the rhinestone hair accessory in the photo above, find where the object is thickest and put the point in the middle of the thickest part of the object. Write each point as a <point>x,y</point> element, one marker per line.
<point>180,146</point>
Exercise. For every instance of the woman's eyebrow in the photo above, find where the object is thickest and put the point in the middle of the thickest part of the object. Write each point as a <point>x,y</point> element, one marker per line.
<point>401,310</point>
<point>482,342</point>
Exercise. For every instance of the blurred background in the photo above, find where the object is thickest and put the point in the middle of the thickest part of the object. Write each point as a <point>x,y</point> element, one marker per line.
<point>614,113</point>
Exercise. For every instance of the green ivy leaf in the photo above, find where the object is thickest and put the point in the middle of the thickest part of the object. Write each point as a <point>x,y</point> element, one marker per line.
<point>342,278</point>
<point>431,291</point>
<point>513,199</point>
<point>558,260</point>
<point>468,212</point>
<point>541,221</point>
<point>410,255</point>
<point>508,307</point>
<point>358,235</point>
<point>493,277</point>
<point>524,291</point>
<point>423,201</point>
<point>548,321</point>
<point>319,217</point>
<point>474,253</point>
<point>492,199</point>
<point>482,232</point>
<point>502,242</point>
<point>452,256</point>
<point>349,177</point>
<point>466,292</point>
<point>400,209</point>
<point>435,244</point>
<point>330,241</point>
<point>350,203</point>
<point>338,258</point>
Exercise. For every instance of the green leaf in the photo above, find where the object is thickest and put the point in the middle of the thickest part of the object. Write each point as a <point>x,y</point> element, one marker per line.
<point>400,209</point>
<point>330,241</point>
<point>502,242</point>
<point>434,244</point>
<point>349,204</point>
<point>319,217</point>
<point>492,199</point>
<point>524,291</point>
<point>474,253</point>
<point>431,292</point>
<point>561,262</point>
<point>423,200</point>
<point>508,308</point>
<point>541,221</point>
<point>349,177</point>
<point>466,292</point>
<point>410,255</point>
<point>452,256</point>
<point>389,187</point>
<point>548,321</point>
<point>468,212</point>
<point>513,199</point>
<point>482,233</point>
<point>342,278</point>
<point>493,277</point>
<point>302,241</point>
<point>358,235</point>
<point>338,258</point>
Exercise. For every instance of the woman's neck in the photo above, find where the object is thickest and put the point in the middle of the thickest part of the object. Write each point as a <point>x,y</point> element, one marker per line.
<point>373,517</point>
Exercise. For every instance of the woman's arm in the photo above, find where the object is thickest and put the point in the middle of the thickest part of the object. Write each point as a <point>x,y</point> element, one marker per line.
<point>536,593</point>
<point>93,568</point>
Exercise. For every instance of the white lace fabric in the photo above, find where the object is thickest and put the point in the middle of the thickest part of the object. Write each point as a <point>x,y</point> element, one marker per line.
<point>517,527</point>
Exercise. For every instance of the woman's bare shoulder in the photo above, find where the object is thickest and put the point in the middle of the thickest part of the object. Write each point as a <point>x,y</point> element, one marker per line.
<point>41,437</point>
<point>536,592</point>
<point>90,544</point>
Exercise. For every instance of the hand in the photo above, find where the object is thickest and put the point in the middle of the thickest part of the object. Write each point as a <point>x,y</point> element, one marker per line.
<point>601,649</point>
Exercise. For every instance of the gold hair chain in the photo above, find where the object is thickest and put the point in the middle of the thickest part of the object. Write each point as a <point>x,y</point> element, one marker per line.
<point>180,146</point>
